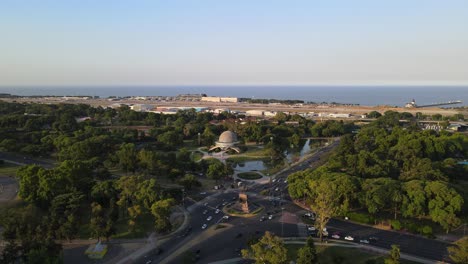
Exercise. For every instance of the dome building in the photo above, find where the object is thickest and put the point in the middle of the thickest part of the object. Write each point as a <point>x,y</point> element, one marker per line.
<point>227,140</point>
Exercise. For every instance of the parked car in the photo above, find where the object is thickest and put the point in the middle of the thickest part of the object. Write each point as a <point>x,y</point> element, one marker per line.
<point>205,204</point>
<point>209,218</point>
<point>364,241</point>
<point>262,218</point>
<point>373,239</point>
<point>205,212</point>
<point>204,226</point>
<point>349,238</point>
<point>311,228</point>
<point>226,217</point>
<point>217,211</point>
<point>270,217</point>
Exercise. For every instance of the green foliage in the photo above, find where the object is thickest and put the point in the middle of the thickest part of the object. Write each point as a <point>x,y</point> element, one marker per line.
<point>308,253</point>
<point>361,218</point>
<point>374,114</point>
<point>189,181</point>
<point>40,186</point>
<point>161,211</point>
<point>396,225</point>
<point>459,251</point>
<point>444,203</point>
<point>394,255</point>
<point>269,250</point>
<point>127,156</point>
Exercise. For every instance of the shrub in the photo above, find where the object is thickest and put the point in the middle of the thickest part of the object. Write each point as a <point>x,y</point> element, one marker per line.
<point>426,230</point>
<point>396,225</point>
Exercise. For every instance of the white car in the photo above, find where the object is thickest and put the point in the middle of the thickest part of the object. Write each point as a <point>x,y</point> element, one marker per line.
<point>336,236</point>
<point>274,180</point>
<point>364,241</point>
<point>349,238</point>
<point>311,228</point>
<point>204,226</point>
<point>217,211</point>
<point>285,181</point>
<point>226,217</point>
<point>209,218</point>
<point>270,217</point>
<point>276,189</point>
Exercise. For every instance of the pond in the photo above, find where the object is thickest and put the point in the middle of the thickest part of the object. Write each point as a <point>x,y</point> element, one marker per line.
<point>253,165</point>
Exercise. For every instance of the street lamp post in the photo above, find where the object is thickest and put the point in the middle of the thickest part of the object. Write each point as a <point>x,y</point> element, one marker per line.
<point>183,197</point>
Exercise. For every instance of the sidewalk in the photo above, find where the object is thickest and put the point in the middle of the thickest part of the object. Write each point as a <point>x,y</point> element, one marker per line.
<point>152,242</point>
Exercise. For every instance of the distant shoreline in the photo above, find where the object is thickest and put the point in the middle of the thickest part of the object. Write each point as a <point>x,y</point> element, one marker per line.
<point>351,94</point>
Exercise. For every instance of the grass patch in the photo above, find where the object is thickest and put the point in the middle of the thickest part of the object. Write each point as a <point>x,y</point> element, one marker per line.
<point>331,254</point>
<point>196,156</point>
<point>144,226</point>
<point>8,169</point>
<point>250,175</point>
<point>361,218</point>
<point>220,227</point>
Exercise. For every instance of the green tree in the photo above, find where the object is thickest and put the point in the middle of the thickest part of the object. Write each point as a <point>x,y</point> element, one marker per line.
<point>147,161</point>
<point>215,170</point>
<point>443,204</point>
<point>459,251</point>
<point>162,211</point>
<point>374,114</point>
<point>97,221</point>
<point>414,199</point>
<point>28,182</point>
<point>208,137</point>
<point>148,192</point>
<point>394,256</point>
<point>127,156</point>
<point>133,212</point>
<point>323,201</point>
<point>189,181</point>
<point>269,250</point>
<point>308,253</point>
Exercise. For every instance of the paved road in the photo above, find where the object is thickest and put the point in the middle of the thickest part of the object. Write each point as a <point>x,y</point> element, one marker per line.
<point>24,160</point>
<point>214,245</point>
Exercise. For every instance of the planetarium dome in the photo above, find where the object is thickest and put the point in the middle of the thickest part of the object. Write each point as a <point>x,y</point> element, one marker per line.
<point>228,137</point>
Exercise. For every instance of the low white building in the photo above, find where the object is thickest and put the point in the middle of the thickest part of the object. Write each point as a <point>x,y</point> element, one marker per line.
<point>254,112</point>
<point>217,99</point>
<point>340,115</point>
<point>141,107</point>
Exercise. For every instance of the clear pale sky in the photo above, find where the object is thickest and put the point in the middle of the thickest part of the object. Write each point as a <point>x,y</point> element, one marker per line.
<point>193,42</point>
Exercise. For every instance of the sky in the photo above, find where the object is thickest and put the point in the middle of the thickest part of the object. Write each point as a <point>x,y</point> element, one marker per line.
<point>242,42</point>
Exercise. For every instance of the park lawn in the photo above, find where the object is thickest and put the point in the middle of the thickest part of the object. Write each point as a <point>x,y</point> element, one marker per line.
<point>8,169</point>
<point>343,255</point>
<point>144,226</point>
<point>196,156</point>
